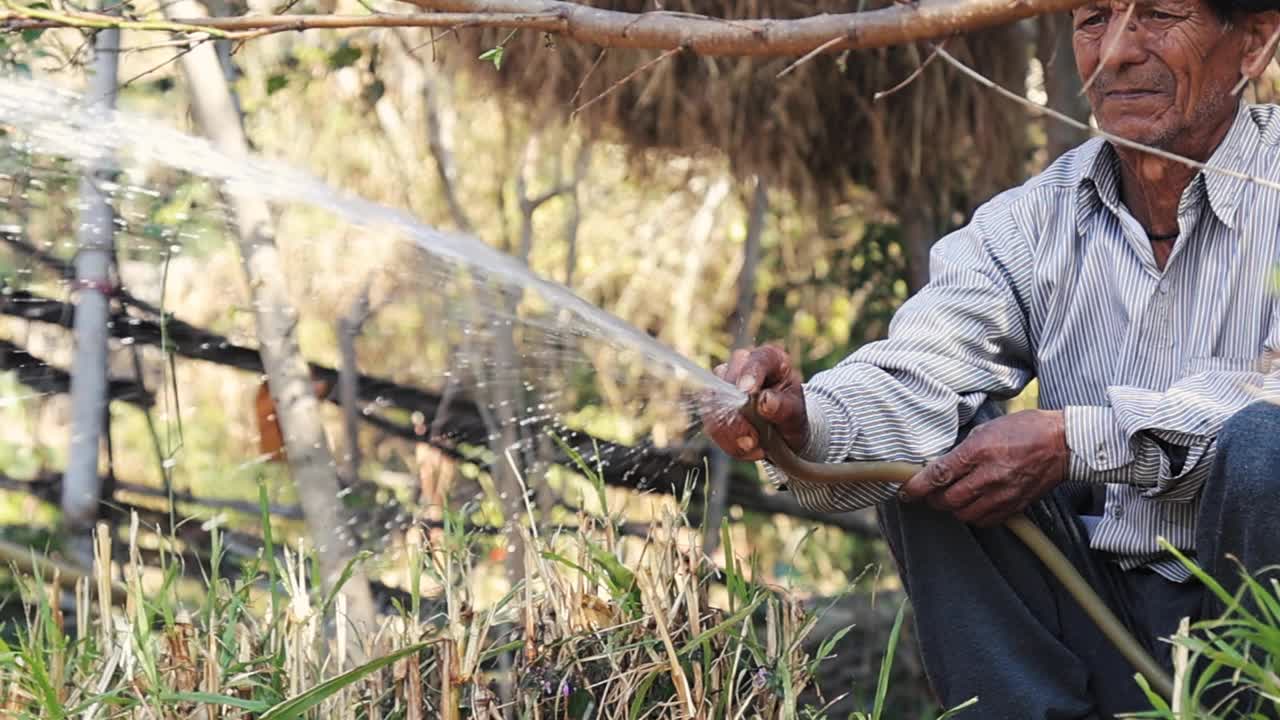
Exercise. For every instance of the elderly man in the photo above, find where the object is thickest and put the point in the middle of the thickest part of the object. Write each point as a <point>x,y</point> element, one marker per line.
<point>1138,290</point>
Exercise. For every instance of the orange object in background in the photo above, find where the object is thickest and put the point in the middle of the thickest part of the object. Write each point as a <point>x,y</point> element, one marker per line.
<point>270,437</point>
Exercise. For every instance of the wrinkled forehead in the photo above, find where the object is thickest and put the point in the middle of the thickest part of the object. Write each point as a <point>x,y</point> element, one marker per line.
<point>1140,5</point>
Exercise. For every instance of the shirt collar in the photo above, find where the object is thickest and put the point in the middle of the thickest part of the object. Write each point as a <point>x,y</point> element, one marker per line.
<point>1100,172</point>
<point>1236,152</point>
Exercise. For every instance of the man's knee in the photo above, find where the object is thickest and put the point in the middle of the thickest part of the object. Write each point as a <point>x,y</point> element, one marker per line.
<point>1249,451</point>
<point>1260,419</point>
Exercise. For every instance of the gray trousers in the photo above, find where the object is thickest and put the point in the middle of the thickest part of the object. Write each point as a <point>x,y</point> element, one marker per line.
<point>992,622</point>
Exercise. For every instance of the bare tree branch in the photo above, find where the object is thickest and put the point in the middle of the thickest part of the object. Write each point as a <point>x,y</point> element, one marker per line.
<point>45,487</point>
<point>45,378</point>
<point>13,237</point>
<point>655,470</point>
<point>189,341</point>
<point>897,24</point>
<point>249,27</point>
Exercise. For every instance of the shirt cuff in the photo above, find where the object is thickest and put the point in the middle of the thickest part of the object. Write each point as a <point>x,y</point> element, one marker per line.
<point>818,438</point>
<point>1099,448</point>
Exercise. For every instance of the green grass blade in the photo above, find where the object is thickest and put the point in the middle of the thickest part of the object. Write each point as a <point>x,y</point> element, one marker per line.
<point>269,549</point>
<point>728,622</point>
<point>557,557</point>
<point>723,625</point>
<point>296,706</point>
<point>347,572</point>
<point>886,665</point>
<point>596,478</point>
<point>642,693</point>
<point>827,645</point>
<point>1156,700</point>
<point>962,706</point>
<point>620,576</point>
<point>1231,602</point>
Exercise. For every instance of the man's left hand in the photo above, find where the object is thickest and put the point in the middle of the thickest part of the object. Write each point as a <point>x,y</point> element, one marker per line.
<point>1003,466</point>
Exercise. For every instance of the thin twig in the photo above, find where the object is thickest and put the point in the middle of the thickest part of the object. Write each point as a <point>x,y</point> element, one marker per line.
<point>164,45</point>
<point>1107,52</point>
<point>1115,139</point>
<point>624,80</point>
<point>435,39</point>
<point>191,45</point>
<point>910,78</point>
<point>23,17</point>
<point>587,76</point>
<point>284,7</point>
<point>809,56</point>
<point>1270,48</point>
<point>251,27</point>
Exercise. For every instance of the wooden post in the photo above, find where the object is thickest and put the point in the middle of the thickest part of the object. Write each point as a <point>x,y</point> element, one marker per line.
<point>82,488</point>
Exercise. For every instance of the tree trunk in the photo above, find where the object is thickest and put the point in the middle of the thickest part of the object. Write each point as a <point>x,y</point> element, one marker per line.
<point>1061,84</point>
<point>349,380</point>
<point>574,217</point>
<point>445,170</point>
<point>309,457</point>
<point>740,323</point>
<point>83,488</point>
<point>919,232</point>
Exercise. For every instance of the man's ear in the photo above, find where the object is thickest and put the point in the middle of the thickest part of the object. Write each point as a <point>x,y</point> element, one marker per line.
<point>1263,29</point>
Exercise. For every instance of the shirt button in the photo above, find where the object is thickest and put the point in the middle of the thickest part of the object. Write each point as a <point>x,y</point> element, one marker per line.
<point>1117,512</point>
<point>1164,287</point>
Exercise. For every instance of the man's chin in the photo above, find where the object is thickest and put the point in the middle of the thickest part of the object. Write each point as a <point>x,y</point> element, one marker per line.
<point>1137,130</point>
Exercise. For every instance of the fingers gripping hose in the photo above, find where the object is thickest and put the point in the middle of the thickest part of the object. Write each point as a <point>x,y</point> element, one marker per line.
<point>823,479</point>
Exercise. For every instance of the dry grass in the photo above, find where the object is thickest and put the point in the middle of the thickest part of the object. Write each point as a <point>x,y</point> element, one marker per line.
<point>812,132</point>
<point>594,631</point>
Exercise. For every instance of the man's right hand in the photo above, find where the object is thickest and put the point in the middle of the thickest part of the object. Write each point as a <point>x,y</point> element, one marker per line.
<point>766,370</point>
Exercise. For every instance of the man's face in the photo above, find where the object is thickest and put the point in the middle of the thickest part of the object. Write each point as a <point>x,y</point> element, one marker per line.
<point>1165,69</point>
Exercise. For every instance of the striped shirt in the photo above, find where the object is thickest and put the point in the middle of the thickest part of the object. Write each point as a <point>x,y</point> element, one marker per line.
<point>1056,280</point>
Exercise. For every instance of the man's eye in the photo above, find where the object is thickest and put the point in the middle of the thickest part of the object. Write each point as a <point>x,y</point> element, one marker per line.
<point>1092,20</point>
<point>1157,15</point>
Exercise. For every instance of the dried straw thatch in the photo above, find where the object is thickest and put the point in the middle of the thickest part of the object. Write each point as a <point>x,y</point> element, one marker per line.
<point>813,131</point>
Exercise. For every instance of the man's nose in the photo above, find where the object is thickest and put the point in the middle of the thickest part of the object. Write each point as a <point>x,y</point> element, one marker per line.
<point>1124,42</point>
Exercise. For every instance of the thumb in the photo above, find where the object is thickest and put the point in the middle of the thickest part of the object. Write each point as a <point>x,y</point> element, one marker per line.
<point>785,409</point>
